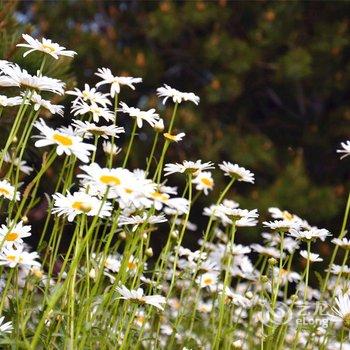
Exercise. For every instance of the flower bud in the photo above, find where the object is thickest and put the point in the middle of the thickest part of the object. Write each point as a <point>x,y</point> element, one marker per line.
<point>237,344</point>
<point>249,295</point>
<point>122,235</point>
<point>92,273</point>
<point>264,279</point>
<point>175,234</point>
<point>272,261</point>
<point>159,126</point>
<point>149,252</point>
<point>294,298</point>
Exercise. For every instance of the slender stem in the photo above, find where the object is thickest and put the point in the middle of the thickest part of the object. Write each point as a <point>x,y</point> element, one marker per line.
<point>150,158</point>
<point>335,251</point>
<point>133,133</point>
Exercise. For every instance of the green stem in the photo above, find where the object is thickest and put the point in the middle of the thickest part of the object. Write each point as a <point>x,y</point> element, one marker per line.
<point>133,133</point>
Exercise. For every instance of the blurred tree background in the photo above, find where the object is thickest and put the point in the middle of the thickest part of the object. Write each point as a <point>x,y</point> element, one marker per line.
<point>273,78</point>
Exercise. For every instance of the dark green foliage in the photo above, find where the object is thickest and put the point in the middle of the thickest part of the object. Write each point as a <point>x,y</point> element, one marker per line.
<point>273,78</point>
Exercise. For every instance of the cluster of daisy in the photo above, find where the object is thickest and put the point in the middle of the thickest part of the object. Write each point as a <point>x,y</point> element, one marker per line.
<point>94,280</point>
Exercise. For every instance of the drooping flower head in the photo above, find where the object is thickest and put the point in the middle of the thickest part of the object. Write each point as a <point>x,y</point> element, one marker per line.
<point>237,172</point>
<point>46,46</point>
<point>345,150</point>
<point>115,81</point>
<point>191,167</point>
<point>148,116</point>
<point>13,75</point>
<point>177,96</point>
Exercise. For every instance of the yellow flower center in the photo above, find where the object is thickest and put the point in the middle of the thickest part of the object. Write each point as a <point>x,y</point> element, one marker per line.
<point>207,182</point>
<point>11,236</point>
<point>49,47</point>
<point>110,180</point>
<point>283,272</point>
<point>131,265</point>
<point>129,190</point>
<point>208,281</point>
<point>4,191</point>
<point>11,257</point>
<point>140,319</point>
<point>160,196</point>
<point>63,139</point>
<point>81,206</point>
<point>37,272</point>
<point>170,137</point>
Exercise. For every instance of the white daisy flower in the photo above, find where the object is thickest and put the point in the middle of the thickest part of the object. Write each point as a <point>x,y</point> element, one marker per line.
<point>12,257</point>
<point>289,243</point>
<point>168,92</point>
<point>234,298</point>
<point>87,129</point>
<point>110,148</point>
<point>238,249</point>
<point>149,116</point>
<point>338,270</point>
<point>208,279</point>
<point>138,220</point>
<point>78,203</point>
<point>105,177</point>
<point>21,164</point>
<point>10,101</point>
<point>8,191</point>
<point>134,192</point>
<point>312,257</point>
<point>277,213</point>
<point>46,46</point>
<point>159,125</point>
<point>342,311</point>
<point>268,251</point>
<point>14,234</point>
<point>205,307</point>
<point>66,140</point>
<point>204,182</point>
<point>241,217</point>
<point>174,138</point>
<point>229,203</point>
<point>177,206</point>
<point>112,263</point>
<point>187,166</point>
<point>5,327</point>
<point>218,211</point>
<point>343,243</point>
<point>114,81</point>
<point>89,95</point>
<point>13,75</point>
<point>137,296</point>
<point>285,275</point>
<point>161,196</point>
<point>345,150</point>
<point>237,172</point>
<point>310,235</point>
<point>279,225</point>
<point>39,102</point>
<point>244,269</point>
<point>82,108</point>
